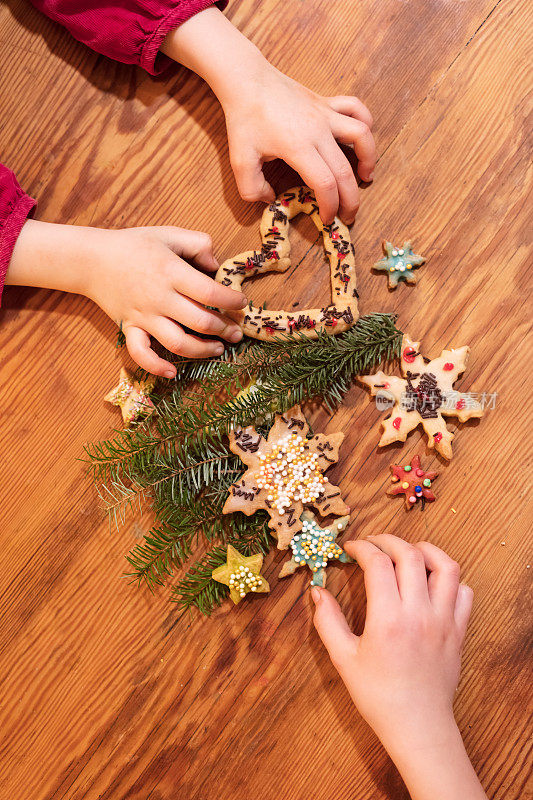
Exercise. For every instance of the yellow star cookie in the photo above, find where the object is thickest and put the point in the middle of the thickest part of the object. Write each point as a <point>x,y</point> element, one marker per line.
<point>132,396</point>
<point>241,574</point>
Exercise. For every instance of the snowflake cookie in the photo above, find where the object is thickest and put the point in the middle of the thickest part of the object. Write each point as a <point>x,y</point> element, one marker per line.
<point>133,397</point>
<point>285,473</point>
<point>413,482</point>
<point>399,263</point>
<point>242,574</point>
<point>314,547</point>
<point>424,396</point>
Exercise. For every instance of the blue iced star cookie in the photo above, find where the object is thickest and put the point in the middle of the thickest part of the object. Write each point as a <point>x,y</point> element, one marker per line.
<point>398,263</point>
<point>315,546</point>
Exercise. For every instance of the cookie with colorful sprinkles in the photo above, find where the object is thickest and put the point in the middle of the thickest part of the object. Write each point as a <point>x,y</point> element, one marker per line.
<point>413,482</point>
<point>285,473</point>
<point>274,256</point>
<point>242,574</point>
<point>132,396</point>
<point>424,396</point>
<point>314,547</point>
<point>399,263</point>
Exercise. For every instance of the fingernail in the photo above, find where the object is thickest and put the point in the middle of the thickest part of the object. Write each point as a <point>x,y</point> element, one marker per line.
<point>169,374</point>
<point>215,262</point>
<point>244,301</point>
<point>316,595</point>
<point>236,335</point>
<point>218,350</point>
<point>370,177</point>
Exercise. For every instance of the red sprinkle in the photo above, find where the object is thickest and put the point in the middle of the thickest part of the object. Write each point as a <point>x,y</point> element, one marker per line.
<point>334,235</point>
<point>341,256</point>
<point>460,404</point>
<point>409,354</point>
<point>273,255</point>
<point>396,423</point>
<point>437,436</point>
<point>420,472</point>
<point>333,321</point>
<point>269,329</point>
<point>275,229</point>
<point>284,202</point>
<point>448,366</point>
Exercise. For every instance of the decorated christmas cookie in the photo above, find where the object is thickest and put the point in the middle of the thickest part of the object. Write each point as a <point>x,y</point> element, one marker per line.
<point>285,473</point>
<point>314,547</point>
<point>274,256</point>
<point>424,396</point>
<point>399,263</point>
<point>242,574</point>
<point>132,396</point>
<point>411,481</point>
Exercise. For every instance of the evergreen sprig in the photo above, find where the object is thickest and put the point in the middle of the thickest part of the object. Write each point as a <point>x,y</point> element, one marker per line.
<point>178,458</point>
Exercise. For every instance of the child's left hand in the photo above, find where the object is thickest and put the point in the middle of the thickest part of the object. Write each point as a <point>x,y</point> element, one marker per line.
<point>273,116</point>
<point>269,116</point>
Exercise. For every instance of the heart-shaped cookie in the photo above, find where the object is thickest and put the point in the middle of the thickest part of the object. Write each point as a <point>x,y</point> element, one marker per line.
<point>274,256</point>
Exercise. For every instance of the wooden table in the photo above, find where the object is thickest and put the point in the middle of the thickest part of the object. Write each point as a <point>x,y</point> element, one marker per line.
<point>106,691</point>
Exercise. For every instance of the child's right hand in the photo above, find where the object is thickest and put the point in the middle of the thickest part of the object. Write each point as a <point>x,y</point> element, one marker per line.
<point>402,672</point>
<point>141,278</point>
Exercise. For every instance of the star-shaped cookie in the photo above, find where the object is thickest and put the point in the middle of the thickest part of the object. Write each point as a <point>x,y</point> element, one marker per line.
<point>399,263</point>
<point>242,574</point>
<point>132,396</point>
<point>314,547</point>
<point>424,396</point>
<point>285,473</point>
<point>412,481</point>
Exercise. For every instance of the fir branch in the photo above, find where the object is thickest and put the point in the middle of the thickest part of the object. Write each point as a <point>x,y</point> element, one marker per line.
<point>169,543</point>
<point>288,372</point>
<point>182,471</point>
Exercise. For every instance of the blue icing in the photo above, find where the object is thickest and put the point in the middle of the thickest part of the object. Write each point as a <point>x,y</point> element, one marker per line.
<point>315,546</point>
<point>399,262</point>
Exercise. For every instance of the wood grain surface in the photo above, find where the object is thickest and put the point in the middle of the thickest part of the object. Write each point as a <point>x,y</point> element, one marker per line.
<point>107,691</point>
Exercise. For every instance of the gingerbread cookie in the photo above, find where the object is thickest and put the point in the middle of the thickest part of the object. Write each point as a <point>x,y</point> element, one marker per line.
<point>399,263</point>
<point>132,396</point>
<point>413,482</point>
<point>424,396</point>
<point>315,546</point>
<point>274,256</point>
<point>285,472</point>
<point>242,574</point>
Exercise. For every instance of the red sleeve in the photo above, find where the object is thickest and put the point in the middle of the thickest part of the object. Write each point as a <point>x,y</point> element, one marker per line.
<point>130,31</point>
<point>15,206</point>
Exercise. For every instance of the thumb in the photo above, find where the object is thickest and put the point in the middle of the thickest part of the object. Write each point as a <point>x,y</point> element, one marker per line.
<point>334,631</point>
<point>251,182</point>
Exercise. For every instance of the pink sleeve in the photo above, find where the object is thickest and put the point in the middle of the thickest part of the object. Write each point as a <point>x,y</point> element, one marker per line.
<point>130,31</point>
<point>15,206</point>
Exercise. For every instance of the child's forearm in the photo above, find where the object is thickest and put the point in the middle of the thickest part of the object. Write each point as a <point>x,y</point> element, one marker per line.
<point>212,47</point>
<point>52,256</point>
<point>438,767</point>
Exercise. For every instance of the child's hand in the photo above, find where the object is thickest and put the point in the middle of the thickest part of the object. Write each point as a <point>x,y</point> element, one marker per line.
<point>272,116</point>
<point>402,672</point>
<point>141,278</point>
<point>142,281</point>
<point>269,115</point>
<point>405,666</point>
